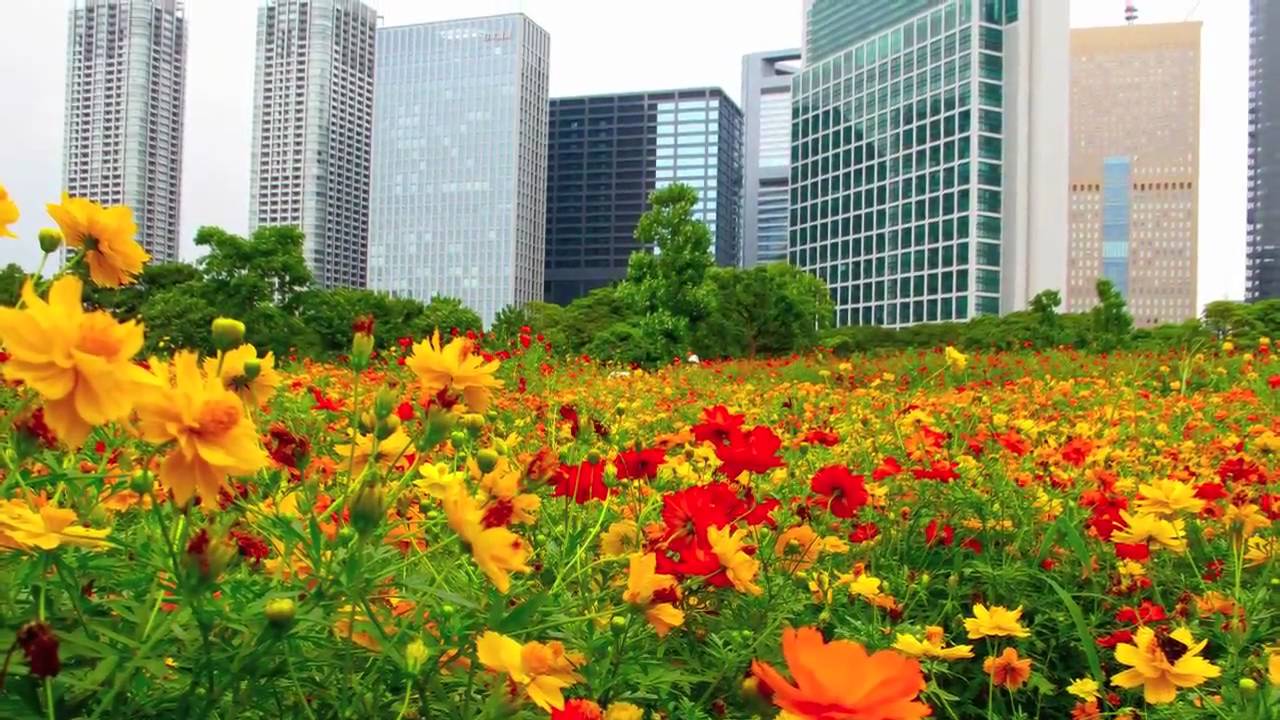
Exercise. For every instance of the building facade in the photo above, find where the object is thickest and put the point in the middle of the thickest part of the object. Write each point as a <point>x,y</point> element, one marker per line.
<point>460,162</point>
<point>609,152</point>
<point>832,26</point>
<point>928,179</point>
<point>126,88</point>
<point>312,130</point>
<point>1262,264</point>
<point>1135,166</point>
<point>766,155</point>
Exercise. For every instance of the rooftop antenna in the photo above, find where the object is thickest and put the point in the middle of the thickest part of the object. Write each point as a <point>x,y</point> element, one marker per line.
<point>1130,12</point>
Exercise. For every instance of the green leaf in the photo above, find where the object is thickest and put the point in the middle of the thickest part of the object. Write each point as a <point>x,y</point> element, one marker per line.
<point>521,615</point>
<point>1082,630</point>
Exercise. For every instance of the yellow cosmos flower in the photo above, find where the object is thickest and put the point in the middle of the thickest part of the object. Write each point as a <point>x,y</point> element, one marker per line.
<point>1164,498</point>
<point>107,235</point>
<point>1247,518</point>
<point>251,377</point>
<point>799,548</point>
<point>365,449</point>
<point>932,645</point>
<point>213,437</point>
<point>497,551</point>
<point>1259,550</point>
<point>437,479</point>
<point>1085,688</point>
<point>22,528</point>
<point>543,670</point>
<point>623,711</point>
<point>1161,665</point>
<point>956,359</point>
<point>739,566</point>
<point>8,213</point>
<point>642,583</point>
<point>1273,668</point>
<point>996,621</point>
<point>1144,529</point>
<point>80,362</point>
<point>621,538</point>
<point>454,368</point>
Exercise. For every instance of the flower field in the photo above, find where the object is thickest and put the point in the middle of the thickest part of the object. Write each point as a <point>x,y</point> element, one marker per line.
<point>440,528</point>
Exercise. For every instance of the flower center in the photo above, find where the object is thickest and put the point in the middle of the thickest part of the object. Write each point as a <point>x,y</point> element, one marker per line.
<point>218,417</point>
<point>97,335</point>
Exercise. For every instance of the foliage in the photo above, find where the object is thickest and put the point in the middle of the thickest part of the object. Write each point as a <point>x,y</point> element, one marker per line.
<point>770,309</point>
<point>1112,322</point>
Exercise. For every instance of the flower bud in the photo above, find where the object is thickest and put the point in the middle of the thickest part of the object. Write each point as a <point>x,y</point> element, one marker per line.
<point>369,508</point>
<point>385,426</point>
<point>206,558</point>
<point>487,459</point>
<point>1248,686</point>
<point>593,456</point>
<point>458,438</point>
<point>618,624</point>
<point>228,333</point>
<point>141,482</point>
<point>384,403</point>
<point>415,656</point>
<point>440,424</point>
<point>280,612</point>
<point>252,369</point>
<point>50,240</point>
<point>473,422</point>
<point>361,342</point>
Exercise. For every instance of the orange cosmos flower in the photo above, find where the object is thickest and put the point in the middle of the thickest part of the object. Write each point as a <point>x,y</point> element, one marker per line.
<point>1007,670</point>
<point>644,583</point>
<point>213,437</point>
<point>80,362</point>
<point>107,235</point>
<point>8,213</point>
<point>22,528</point>
<point>1163,663</point>
<point>542,669</point>
<point>454,368</point>
<point>839,681</point>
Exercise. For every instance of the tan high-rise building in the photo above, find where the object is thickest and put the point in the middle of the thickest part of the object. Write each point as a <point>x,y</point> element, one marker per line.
<point>1135,168</point>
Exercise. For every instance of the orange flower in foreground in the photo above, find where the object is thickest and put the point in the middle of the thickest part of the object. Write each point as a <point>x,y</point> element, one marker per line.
<point>106,234</point>
<point>840,681</point>
<point>1007,670</point>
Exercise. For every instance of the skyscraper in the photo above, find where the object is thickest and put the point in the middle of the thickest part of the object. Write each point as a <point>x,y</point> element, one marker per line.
<point>312,129</point>
<point>1135,165</point>
<point>126,85</point>
<point>929,158</point>
<point>609,152</point>
<point>460,161</point>
<point>766,156</point>
<point>1262,268</point>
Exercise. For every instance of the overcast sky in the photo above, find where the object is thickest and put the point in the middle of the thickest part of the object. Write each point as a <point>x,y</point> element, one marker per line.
<point>596,46</point>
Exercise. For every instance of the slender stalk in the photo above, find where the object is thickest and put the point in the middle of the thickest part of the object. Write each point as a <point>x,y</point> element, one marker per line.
<point>48,681</point>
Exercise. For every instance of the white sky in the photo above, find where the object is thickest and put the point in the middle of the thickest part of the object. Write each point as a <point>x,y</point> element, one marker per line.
<point>597,46</point>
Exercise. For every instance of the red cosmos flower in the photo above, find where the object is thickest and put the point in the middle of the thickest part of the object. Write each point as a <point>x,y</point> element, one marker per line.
<point>865,532</point>
<point>251,547</point>
<point>404,411</point>
<point>1105,517</point>
<point>362,325</point>
<point>1239,470</point>
<point>639,464</point>
<point>753,451</point>
<point>578,709</point>
<point>405,342</point>
<point>570,415</point>
<point>843,492</point>
<point>1273,382</point>
<point>762,512</point>
<point>1014,443</point>
<point>935,533</point>
<point>1133,551</point>
<point>973,545</point>
<point>1115,638</point>
<point>582,482</point>
<point>324,402</point>
<point>288,449</point>
<point>718,426</point>
<point>1076,451</point>
<point>1145,613</point>
<point>940,470</point>
<point>525,341</point>
<point>688,514</point>
<point>498,513</point>
<point>888,468</point>
<point>1211,491</point>
<point>821,437</point>
<point>40,646</point>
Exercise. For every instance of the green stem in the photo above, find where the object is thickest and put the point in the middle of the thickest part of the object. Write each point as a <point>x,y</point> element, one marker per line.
<point>404,707</point>
<point>48,681</point>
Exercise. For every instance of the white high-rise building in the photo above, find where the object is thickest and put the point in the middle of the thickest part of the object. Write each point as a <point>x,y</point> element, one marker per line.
<point>313,128</point>
<point>126,80</point>
<point>766,155</point>
<point>460,162</point>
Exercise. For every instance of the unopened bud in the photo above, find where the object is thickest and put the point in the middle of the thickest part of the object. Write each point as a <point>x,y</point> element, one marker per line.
<point>50,240</point>
<point>1248,686</point>
<point>386,425</point>
<point>487,459</point>
<point>384,403</point>
<point>228,333</point>
<point>415,656</point>
<point>207,557</point>
<point>593,456</point>
<point>280,612</point>
<point>473,422</point>
<point>440,424</point>
<point>252,369</point>
<point>618,624</point>
<point>368,509</point>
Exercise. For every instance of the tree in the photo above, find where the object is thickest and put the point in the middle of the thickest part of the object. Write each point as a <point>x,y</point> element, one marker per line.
<point>667,288</point>
<point>1224,318</point>
<point>771,309</point>
<point>176,318</point>
<point>11,279</point>
<point>446,314</point>
<point>269,267</point>
<point>1044,308</point>
<point>1112,323</point>
<point>590,315</point>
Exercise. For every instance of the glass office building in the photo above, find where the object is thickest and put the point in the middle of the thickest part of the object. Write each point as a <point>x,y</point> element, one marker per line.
<point>460,162</point>
<point>766,156</point>
<point>608,153</point>
<point>1262,264</point>
<point>914,192</point>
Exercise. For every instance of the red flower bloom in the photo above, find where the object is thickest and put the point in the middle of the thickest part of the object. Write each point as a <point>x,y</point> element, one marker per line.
<point>40,646</point>
<point>940,470</point>
<point>843,492</point>
<point>1273,382</point>
<point>582,482</point>
<point>1145,613</point>
<point>570,415</point>
<point>1076,451</point>
<point>578,709</point>
<point>718,426</point>
<point>821,437</point>
<point>252,547</point>
<point>1115,638</point>
<point>688,514</point>
<point>404,411</point>
<point>864,533</point>
<point>498,513</point>
<point>888,468</point>
<point>1014,443</point>
<point>324,402</point>
<point>1133,551</point>
<point>639,464</point>
<point>753,451</point>
<point>934,534</point>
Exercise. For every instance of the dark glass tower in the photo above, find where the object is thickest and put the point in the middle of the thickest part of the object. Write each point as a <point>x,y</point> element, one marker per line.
<point>607,153</point>
<point>1262,266</point>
